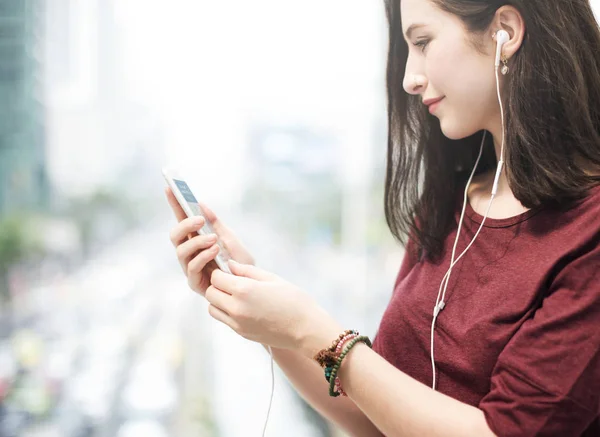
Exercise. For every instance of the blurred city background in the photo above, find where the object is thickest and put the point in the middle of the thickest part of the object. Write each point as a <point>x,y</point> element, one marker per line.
<point>274,110</point>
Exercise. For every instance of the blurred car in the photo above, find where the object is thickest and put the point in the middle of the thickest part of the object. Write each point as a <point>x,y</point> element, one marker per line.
<point>58,364</point>
<point>8,367</point>
<point>73,422</point>
<point>142,428</point>
<point>13,420</point>
<point>151,391</point>
<point>93,392</point>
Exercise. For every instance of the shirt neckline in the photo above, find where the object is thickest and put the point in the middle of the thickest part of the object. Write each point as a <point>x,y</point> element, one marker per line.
<point>509,221</point>
<point>499,222</point>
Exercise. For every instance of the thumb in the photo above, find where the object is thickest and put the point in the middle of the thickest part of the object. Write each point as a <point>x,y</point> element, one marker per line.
<point>250,271</point>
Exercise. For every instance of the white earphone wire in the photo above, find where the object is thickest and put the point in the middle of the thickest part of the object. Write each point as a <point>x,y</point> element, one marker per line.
<point>440,303</point>
<point>272,390</point>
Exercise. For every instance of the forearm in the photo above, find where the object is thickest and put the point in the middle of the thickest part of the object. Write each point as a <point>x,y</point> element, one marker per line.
<point>400,405</point>
<point>307,377</point>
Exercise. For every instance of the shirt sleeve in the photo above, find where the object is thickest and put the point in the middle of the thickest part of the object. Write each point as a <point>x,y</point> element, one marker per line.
<point>409,260</point>
<point>546,381</point>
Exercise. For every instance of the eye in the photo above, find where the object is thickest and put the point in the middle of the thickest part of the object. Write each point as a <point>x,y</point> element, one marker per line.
<point>422,43</point>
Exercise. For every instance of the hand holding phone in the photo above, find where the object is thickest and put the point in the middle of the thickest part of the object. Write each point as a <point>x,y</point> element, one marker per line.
<point>196,252</point>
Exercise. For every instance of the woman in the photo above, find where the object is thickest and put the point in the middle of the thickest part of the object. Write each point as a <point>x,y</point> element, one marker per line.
<point>517,344</point>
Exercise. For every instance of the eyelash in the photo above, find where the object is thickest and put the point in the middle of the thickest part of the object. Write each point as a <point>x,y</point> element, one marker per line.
<point>422,44</point>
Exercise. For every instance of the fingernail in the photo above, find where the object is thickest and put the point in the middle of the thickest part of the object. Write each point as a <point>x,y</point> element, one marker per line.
<point>198,221</point>
<point>212,238</point>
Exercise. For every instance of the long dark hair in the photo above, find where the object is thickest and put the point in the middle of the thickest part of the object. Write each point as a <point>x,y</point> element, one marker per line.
<point>552,111</point>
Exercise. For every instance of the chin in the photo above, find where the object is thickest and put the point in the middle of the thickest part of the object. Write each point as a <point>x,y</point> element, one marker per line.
<point>455,131</point>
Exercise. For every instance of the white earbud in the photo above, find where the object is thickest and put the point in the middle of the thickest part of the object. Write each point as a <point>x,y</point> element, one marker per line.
<point>502,37</point>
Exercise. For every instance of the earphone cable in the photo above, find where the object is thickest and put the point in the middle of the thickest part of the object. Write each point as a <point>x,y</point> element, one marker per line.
<point>272,390</point>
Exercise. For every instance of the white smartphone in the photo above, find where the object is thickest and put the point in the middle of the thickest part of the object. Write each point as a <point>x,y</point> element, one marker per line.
<point>190,205</point>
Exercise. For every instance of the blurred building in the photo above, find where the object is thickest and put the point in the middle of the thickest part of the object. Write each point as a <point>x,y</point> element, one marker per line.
<point>23,172</point>
<point>97,136</point>
<point>294,167</point>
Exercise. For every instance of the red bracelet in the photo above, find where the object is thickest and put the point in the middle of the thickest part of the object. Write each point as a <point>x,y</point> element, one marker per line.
<point>344,340</point>
<point>338,350</point>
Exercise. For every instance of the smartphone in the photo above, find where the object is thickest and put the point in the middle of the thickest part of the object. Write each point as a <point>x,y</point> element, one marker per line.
<point>190,205</point>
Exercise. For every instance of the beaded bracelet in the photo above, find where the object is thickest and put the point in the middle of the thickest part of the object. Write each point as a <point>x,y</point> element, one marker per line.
<point>333,375</point>
<point>327,357</point>
<point>340,346</point>
<point>338,349</point>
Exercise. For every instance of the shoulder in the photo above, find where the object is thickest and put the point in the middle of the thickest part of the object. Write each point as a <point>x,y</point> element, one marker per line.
<point>585,210</point>
<point>571,234</point>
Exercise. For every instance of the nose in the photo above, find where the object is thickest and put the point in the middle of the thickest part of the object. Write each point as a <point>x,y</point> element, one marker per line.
<point>414,83</point>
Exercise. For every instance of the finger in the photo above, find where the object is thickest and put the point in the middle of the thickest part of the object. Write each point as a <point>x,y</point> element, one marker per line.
<point>196,265</point>
<point>250,271</point>
<point>188,250</point>
<point>208,213</point>
<point>220,299</point>
<point>175,206</point>
<point>230,283</point>
<point>214,220</point>
<point>222,317</point>
<point>197,282</point>
<point>181,232</point>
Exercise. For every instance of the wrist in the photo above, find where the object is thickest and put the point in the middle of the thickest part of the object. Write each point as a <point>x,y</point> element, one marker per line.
<point>347,361</point>
<point>318,335</point>
<point>332,373</point>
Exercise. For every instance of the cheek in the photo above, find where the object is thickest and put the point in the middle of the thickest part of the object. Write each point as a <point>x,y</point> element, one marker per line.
<point>460,75</point>
<point>470,90</point>
<point>441,65</point>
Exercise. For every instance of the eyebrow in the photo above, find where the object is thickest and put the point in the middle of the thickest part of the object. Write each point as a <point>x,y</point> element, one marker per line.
<point>413,27</point>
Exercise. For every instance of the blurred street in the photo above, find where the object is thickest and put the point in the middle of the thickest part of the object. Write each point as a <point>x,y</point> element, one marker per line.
<point>103,351</point>
<point>123,348</point>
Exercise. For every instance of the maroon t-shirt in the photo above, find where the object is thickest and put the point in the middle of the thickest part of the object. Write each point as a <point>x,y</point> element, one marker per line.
<point>520,335</point>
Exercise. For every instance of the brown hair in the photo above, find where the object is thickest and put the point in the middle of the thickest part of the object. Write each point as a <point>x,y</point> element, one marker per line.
<point>552,111</point>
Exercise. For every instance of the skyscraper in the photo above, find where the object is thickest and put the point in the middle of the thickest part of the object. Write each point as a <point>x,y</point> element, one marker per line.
<point>23,176</point>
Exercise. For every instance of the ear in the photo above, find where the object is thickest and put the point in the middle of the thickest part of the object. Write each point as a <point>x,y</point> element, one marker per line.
<point>510,19</point>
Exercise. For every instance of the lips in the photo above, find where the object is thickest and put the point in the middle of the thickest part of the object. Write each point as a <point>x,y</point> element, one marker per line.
<point>430,102</point>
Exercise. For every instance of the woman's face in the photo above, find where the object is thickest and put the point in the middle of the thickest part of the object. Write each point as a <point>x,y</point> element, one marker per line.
<point>442,63</point>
